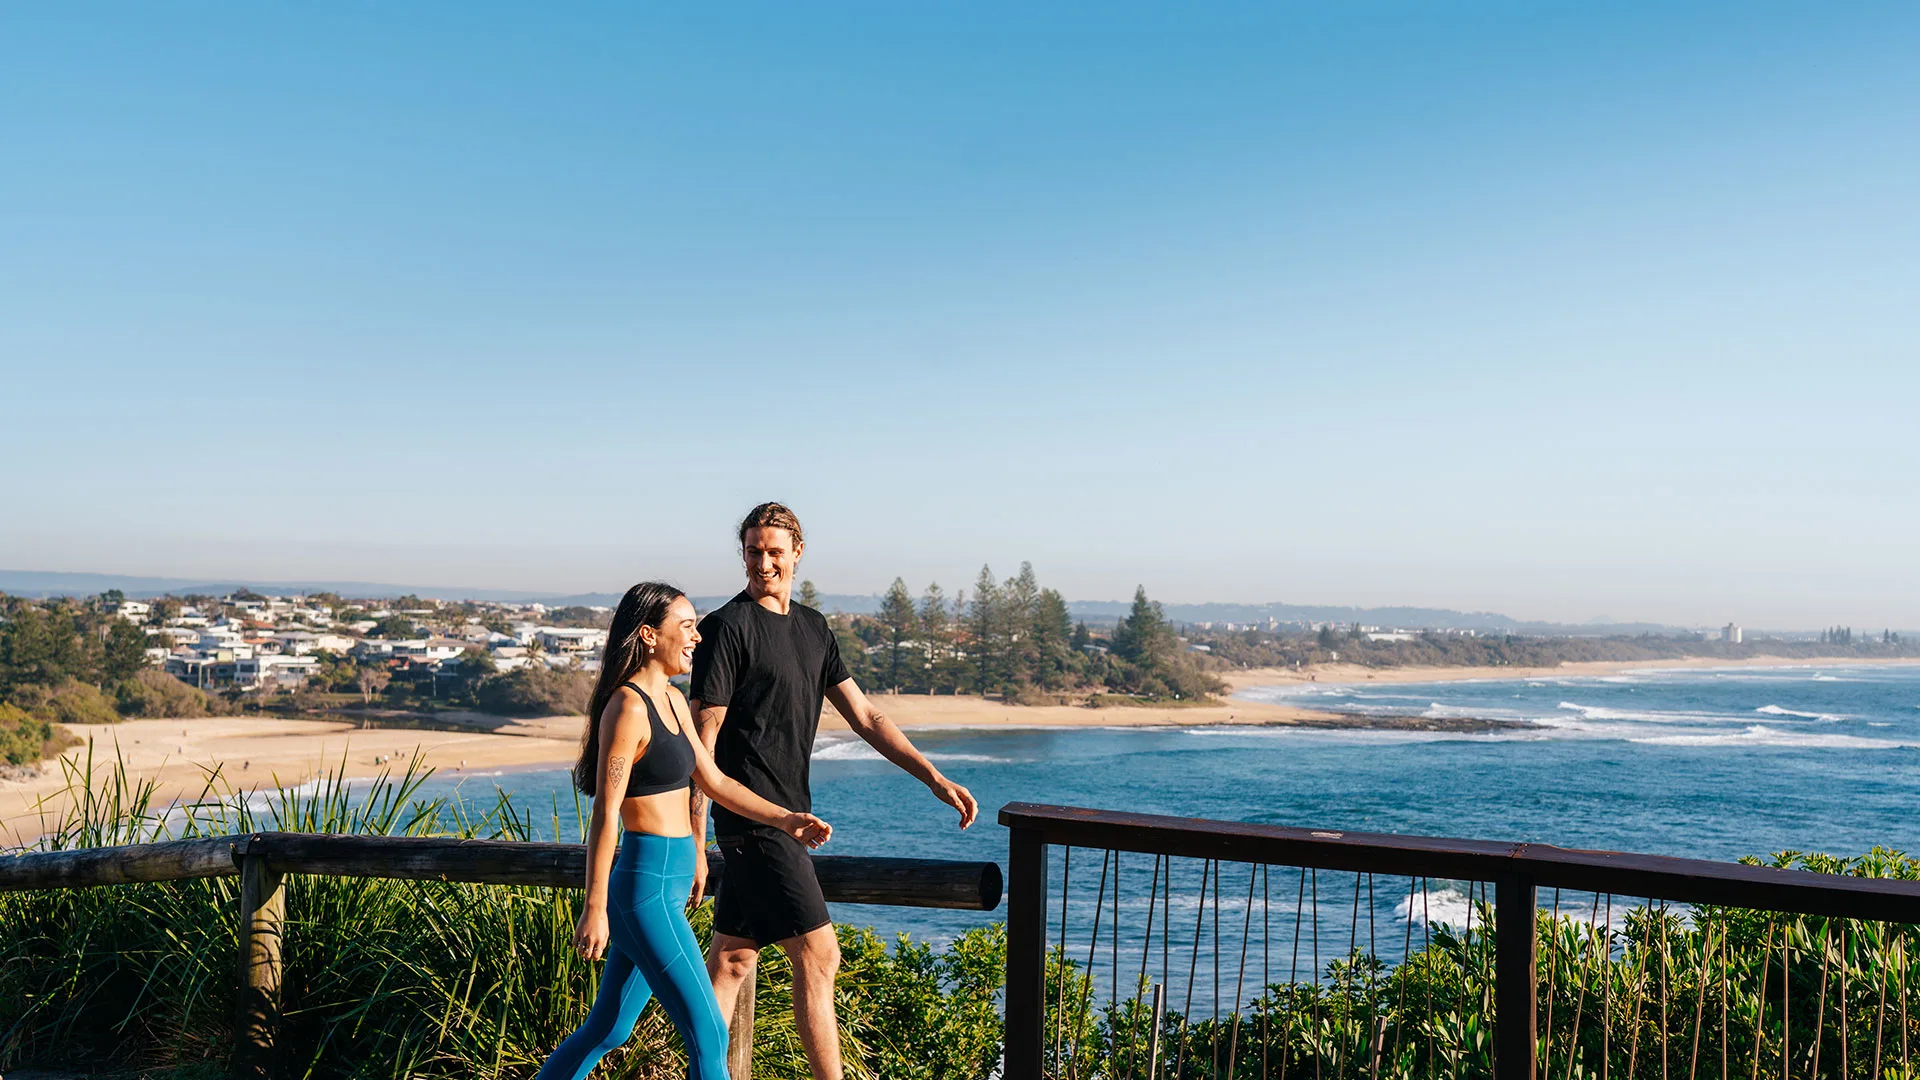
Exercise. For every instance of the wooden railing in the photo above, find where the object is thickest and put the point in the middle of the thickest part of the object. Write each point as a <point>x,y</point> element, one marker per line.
<point>263,859</point>
<point>1516,871</point>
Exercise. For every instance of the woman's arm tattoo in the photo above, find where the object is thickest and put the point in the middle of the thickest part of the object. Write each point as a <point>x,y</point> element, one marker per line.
<point>616,767</point>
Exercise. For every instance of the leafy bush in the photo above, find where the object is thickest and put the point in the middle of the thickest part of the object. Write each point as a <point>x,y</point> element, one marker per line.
<point>409,978</point>
<point>26,738</point>
<point>72,702</point>
<point>536,690</point>
<point>152,693</point>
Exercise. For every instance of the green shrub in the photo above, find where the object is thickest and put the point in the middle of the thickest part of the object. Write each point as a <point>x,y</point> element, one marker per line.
<point>536,690</point>
<point>71,702</point>
<point>153,693</point>
<point>408,978</point>
<point>26,738</point>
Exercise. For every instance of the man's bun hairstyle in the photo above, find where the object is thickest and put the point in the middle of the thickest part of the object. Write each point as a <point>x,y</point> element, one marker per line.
<point>771,515</point>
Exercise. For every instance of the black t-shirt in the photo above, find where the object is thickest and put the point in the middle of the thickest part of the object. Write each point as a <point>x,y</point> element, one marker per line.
<point>771,671</point>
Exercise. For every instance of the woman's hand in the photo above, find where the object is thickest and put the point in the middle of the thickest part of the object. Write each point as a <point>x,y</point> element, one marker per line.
<point>807,829</point>
<point>590,934</point>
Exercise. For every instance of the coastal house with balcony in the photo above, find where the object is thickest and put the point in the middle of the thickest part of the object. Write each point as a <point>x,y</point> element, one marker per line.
<point>570,641</point>
<point>303,642</point>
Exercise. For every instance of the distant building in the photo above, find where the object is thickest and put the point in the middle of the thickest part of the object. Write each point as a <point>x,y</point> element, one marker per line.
<point>302,642</point>
<point>134,611</point>
<point>570,640</point>
<point>1730,634</point>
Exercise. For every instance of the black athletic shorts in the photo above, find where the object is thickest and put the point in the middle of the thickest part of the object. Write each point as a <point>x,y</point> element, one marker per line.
<point>767,892</point>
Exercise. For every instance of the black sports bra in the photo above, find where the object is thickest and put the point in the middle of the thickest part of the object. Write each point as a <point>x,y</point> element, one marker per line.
<point>667,764</point>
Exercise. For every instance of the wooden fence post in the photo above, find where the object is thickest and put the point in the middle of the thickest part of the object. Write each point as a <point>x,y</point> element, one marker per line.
<point>740,1030</point>
<point>1026,1017</point>
<point>1515,979</point>
<point>263,909</point>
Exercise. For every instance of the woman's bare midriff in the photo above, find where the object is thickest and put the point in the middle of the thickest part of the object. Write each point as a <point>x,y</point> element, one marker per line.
<point>666,814</point>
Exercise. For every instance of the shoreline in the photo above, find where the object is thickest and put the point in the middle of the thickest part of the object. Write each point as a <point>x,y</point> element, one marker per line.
<point>1353,674</point>
<point>252,754</point>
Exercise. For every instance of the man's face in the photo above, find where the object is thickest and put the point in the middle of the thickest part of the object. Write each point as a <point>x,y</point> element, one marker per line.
<point>770,555</point>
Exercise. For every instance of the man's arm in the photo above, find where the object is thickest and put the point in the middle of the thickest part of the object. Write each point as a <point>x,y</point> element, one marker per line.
<point>881,734</point>
<point>706,724</point>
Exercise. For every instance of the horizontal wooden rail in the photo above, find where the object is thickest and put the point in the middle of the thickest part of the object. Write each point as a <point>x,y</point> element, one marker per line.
<point>844,879</point>
<point>1687,881</point>
<point>262,861</point>
<point>1517,871</point>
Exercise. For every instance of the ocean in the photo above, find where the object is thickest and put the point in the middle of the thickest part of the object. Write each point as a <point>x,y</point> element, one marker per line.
<point>1696,762</point>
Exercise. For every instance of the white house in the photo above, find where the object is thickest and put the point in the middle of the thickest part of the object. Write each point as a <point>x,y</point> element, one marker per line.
<point>556,639</point>
<point>302,642</point>
<point>280,670</point>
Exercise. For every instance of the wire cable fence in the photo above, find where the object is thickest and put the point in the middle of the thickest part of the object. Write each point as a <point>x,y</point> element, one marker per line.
<point>1170,948</point>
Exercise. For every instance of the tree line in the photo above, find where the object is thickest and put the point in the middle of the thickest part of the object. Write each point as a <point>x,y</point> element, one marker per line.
<point>1014,639</point>
<point>1329,644</point>
<point>69,661</point>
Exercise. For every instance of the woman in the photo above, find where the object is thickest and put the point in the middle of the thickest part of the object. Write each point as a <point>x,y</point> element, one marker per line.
<point>636,756</point>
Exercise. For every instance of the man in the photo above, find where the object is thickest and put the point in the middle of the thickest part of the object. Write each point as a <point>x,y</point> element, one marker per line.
<point>762,667</point>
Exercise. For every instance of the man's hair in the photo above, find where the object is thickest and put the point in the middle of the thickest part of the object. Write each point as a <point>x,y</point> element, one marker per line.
<point>771,515</point>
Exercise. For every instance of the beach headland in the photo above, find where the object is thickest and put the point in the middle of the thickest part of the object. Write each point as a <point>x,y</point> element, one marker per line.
<point>266,752</point>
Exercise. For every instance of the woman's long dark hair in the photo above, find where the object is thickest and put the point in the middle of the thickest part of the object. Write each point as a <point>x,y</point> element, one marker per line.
<point>645,604</point>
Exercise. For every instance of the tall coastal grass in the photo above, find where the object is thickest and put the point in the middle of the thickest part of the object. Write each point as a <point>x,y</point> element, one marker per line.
<point>434,979</point>
<point>1628,993</point>
<point>402,978</point>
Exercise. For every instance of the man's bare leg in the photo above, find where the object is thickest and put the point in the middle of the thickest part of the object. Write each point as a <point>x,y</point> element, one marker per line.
<point>730,963</point>
<point>816,961</point>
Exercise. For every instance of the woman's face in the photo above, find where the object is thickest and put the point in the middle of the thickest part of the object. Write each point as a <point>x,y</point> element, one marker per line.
<point>675,638</point>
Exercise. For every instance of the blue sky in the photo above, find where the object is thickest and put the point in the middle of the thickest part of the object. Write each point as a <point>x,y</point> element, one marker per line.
<point>1563,313</point>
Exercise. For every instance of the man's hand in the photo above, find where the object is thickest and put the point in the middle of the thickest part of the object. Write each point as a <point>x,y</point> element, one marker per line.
<point>699,892</point>
<point>957,797</point>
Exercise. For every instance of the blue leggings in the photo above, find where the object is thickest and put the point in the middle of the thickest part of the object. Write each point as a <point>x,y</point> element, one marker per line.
<point>652,953</point>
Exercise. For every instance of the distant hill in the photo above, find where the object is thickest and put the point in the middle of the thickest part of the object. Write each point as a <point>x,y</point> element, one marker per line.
<point>41,584</point>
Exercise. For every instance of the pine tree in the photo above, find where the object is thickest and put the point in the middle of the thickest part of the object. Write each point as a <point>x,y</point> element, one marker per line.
<point>1058,659</point>
<point>809,595</point>
<point>1144,632</point>
<point>897,615</point>
<point>936,635</point>
<point>984,623</point>
<point>1020,598</point>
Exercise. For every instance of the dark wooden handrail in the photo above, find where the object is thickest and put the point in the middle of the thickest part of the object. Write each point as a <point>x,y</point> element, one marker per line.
<point>844,879</point>
<point>1662,877</point>
<point>262,860</point>
<point>1517,871</point>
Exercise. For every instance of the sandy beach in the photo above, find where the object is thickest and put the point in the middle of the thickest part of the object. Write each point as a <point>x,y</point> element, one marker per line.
<point>257,753</point>
<point>253,753</point>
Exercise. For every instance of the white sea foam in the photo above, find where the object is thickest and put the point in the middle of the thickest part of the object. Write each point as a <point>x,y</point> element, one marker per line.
<point>845,750</point>
<point>1332,735</point>
<point>1647,716</point>
<point>1439,907</point>
<point>858,750</point>
<point>1761,735</point>
<point>1775,710</point>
